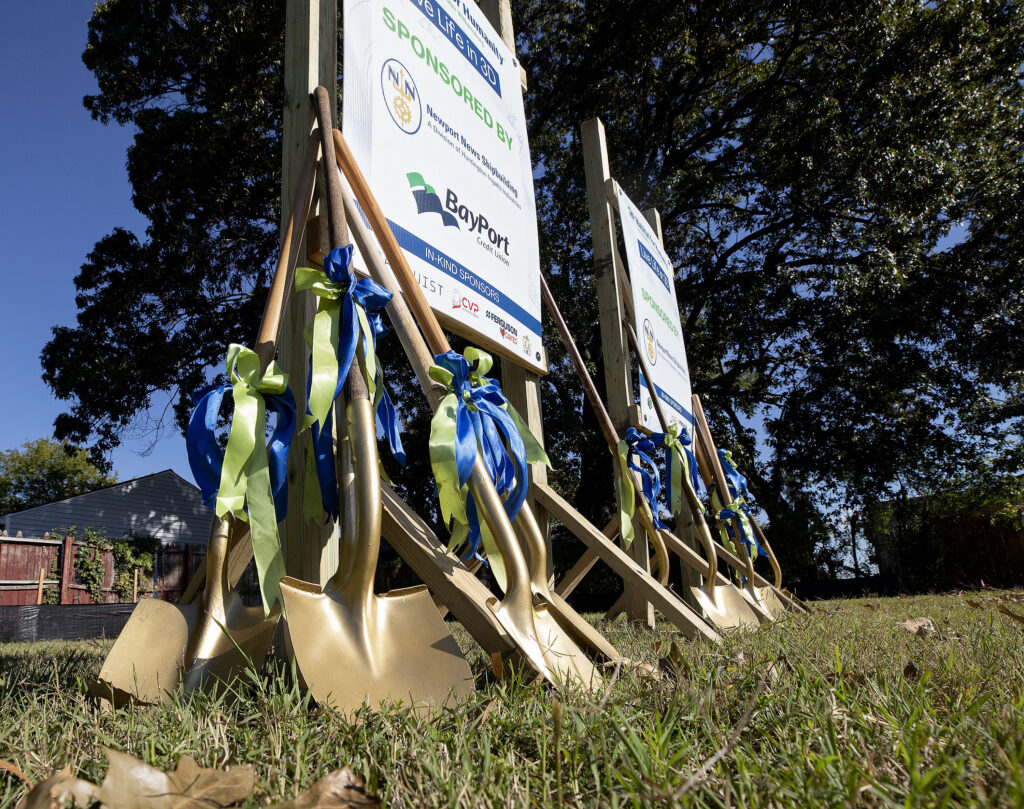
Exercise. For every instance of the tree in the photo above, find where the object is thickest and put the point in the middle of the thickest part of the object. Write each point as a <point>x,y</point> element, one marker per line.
<point>839,186</point>
<point>840,189</point>
<point>43,471</point>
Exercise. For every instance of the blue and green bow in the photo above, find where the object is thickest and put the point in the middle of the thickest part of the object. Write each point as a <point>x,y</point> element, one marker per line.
<point>737,509</point>
<point>680,466</point>
<point>635,444</point>
<point>474,419</point>
<point>247,479</point>
<point>347,308</point>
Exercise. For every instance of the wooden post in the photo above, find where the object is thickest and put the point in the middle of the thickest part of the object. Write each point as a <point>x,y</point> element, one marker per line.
<point>615,348</point>
<point>521,386</point>
<point>67,573</point>
<point>135,587</point>
<point>39,590</point>
<point>311,59</point>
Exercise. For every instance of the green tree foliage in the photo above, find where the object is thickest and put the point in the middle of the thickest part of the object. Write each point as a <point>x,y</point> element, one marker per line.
<point>44,470</point>
<point>840,186</point>
<point>202,84</point>
<point>840,189</point>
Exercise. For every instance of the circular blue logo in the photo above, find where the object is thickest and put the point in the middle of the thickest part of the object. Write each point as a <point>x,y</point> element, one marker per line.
<point>401,96</point>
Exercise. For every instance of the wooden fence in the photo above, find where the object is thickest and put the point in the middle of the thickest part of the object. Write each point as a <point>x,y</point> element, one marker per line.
<point>24,561</point>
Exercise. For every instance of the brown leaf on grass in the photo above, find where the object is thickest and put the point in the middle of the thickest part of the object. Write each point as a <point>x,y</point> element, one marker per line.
<point>55,790</point>
<point>1010,613</point>
<point>911,671</point>
<point>14,769</point>
<point>872,607</point>
<point>922,627</point>
<point>133,784</point>
<point>341,789</point>
<point>972,603</point>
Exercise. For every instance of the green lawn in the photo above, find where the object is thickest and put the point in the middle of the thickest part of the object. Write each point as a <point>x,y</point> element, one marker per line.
<point>855,710</point>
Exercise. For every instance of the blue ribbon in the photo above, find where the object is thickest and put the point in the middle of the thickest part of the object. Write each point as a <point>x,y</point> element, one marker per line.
<point>372,298</point>
<point>639,445</point>
<point>482,422</point>
<point>206,458</point>
<point>740,495</point>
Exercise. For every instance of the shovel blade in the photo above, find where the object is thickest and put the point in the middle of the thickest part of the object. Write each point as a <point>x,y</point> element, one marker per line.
<point>221,649</point>
<point>770,601</point>
<point>146,660</point>
<point>374,649</point>
<point>546,646</point>
<point>725,607</point>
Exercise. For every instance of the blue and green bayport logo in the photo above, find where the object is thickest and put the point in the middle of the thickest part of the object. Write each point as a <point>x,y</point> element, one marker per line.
<point>427,200</point>
<point>401,96</point>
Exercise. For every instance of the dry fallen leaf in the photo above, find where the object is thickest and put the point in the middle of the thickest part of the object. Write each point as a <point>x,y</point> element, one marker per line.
<point>972,603</point>
<point>133,784</point>
<point>910,671</point>
<point>871,607</point>
<point>341,789</point>
<point>15,770</point>
<point>55,790</point>
<point>922,627</point>
<point>1008,612</point>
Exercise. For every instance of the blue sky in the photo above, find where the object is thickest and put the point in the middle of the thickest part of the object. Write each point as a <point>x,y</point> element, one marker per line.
<point>64,187</point>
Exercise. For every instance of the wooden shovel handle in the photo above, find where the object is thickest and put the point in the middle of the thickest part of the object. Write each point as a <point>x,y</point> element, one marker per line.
<point>603,419</point>
<point>239,546</point>
<point>392,252</point>
<point>607,428</point>
<point>284,273</point>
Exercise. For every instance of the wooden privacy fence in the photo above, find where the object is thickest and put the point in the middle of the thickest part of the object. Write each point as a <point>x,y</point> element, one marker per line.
<point>28,564</point>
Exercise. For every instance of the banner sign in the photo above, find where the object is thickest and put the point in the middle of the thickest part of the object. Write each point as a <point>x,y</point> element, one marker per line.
<point>433,112</point>
<point>657,320</point>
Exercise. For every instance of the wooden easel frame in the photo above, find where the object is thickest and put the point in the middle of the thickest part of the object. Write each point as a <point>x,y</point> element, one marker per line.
<point>616,309</point>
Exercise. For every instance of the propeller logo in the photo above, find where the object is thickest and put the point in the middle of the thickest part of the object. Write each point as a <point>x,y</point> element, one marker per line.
<point>401,96</point>
<point>650,346</point>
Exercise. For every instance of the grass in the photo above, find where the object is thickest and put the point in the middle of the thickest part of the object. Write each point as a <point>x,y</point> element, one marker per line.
<point>855,710</point>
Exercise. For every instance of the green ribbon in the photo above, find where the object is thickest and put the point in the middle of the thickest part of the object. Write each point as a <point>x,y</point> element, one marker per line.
<point>323,339</point>
<point>245,475</point>
<point>680,470</point>
<point>626,492</point>
<point>735,510</point>
<point>450,430</point>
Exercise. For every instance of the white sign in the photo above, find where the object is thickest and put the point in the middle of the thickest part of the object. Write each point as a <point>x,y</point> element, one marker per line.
<point>657,320</point>
<point>433,112</point>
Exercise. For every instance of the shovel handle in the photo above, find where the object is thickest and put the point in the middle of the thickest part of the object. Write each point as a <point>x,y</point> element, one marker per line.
<point>284,273</point>
<point>421,310</point>
<point>488,502</point>
<point>603,419</point>
<point>695,507</point>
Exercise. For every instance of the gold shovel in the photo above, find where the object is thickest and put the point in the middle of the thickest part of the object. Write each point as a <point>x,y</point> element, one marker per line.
<point>535,633</point>
<point>570,620</point>
<point>215,635</point>
<point>764,597</point>
<point>723,603</point>
<point>715,605</point>
<point>352,646</point>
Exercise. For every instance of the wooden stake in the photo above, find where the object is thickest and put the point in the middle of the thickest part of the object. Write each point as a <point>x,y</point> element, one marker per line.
<point>135,587</point>
<point>39,590</point>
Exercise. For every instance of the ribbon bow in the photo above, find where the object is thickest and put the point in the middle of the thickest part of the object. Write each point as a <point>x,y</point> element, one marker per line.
<point>737,509</point>
<point>346,308</point>
<point>241,481</point>
<point>683,471</point>
<point>635,444</point>
<point>475,418</point>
